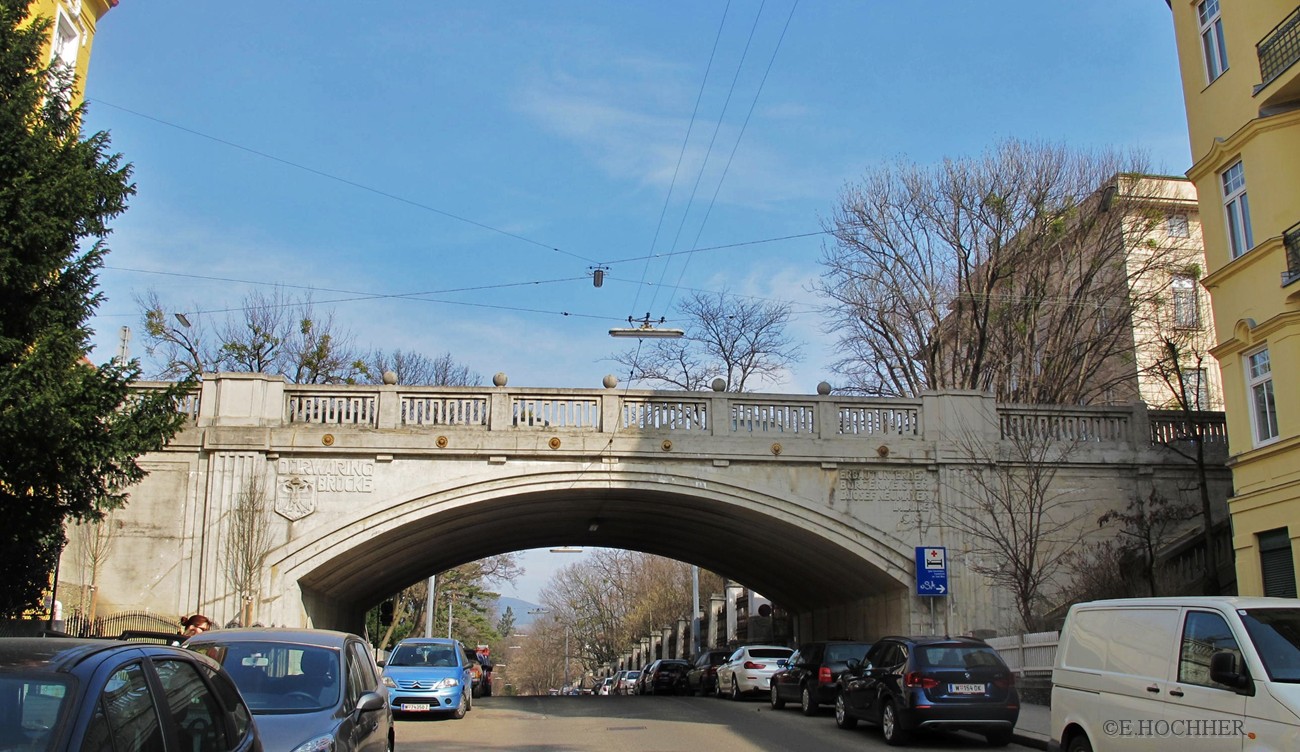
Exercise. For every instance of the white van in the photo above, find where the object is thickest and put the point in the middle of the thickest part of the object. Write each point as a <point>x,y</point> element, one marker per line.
<point>1186,674</point>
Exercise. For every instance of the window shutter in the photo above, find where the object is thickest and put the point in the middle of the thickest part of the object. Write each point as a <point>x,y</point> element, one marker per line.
<point>1277,564</point>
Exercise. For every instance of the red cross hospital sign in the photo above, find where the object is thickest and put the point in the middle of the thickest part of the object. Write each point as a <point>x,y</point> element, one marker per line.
<point>931,570</point>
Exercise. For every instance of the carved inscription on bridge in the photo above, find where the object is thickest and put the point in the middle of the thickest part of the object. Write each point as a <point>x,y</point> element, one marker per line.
<point>894,500</point>
<point>301,480</point>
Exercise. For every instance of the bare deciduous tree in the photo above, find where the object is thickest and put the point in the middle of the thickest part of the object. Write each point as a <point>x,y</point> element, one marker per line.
<point>613,598</point>
<point>273,333</point>
<point>248,542</point>
<point>413,368</point>
<point>1009,273</point>
<point>1019,525</point>
<point>94,546</point>
<point>739,340</point>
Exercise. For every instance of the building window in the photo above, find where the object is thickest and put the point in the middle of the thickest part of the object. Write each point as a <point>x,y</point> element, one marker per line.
<point>1196,393</point>
<point>1216,52</point>
<point>1187,313</point>
<point>66,41</point>
<point>1178,227</point>
<point>1240,238</point>
<point>1277,564</point>
<point>1260,375</point>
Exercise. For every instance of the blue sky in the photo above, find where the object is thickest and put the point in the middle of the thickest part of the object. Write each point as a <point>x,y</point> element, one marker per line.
<point>445,175</point>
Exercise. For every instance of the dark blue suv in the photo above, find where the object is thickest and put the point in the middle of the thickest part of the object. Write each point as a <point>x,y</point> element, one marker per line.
<point>910,683</point>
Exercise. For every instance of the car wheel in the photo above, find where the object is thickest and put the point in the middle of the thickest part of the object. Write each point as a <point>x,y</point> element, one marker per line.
<point>389,747</point>
<point>735,690</point>
<point>806,703</point>
<point>891,726</point>
<point>842,717</point>
<point>998,738</point>
<point>777,702</point>
<point>1079,743</point>
<point>469,702</point>
<point>462,707</point>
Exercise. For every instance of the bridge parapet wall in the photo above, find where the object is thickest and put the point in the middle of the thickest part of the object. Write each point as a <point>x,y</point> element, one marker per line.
<point>257,400</point>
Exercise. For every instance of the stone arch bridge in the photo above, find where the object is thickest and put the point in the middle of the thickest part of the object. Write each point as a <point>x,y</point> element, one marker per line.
<point>815,501</point>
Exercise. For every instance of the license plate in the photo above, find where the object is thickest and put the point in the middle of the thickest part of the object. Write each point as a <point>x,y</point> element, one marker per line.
<point>414,707</point>
<point>966,689</point>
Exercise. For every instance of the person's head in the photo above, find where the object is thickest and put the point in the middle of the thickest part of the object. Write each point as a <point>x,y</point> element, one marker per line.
<point>196,624</point>
<point>317,663</point>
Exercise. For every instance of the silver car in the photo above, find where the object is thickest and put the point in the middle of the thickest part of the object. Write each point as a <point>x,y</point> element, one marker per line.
<point>310,690</point>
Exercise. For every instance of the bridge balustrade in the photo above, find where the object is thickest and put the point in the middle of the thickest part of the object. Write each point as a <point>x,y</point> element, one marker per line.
<point>432,410</point>
<point>718,413</point>
<point>1081,425</point>
<point>867,420</point>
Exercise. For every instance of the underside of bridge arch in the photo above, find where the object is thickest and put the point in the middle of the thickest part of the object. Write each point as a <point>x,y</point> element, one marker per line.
<point>780,552</point>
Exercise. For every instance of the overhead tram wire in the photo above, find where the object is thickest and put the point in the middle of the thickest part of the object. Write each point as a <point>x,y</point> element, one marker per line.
<point>344,181</point>
<point>699,176</point>
<point>681,155</point>
<point>727,168</point>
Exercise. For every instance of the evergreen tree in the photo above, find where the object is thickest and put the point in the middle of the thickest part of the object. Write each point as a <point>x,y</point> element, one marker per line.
<point>69,431</point>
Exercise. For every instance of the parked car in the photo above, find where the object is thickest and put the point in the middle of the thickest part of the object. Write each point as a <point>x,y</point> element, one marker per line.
<point>702,677</point>
<point>605,686</point>
<point>626,683</point>
<point>666,676</point>
<point>475,670</point>
<point>910,683</point>
<point>749,670</point>
<point>308,689</point>
<point>1217,664</point>
<point>430,675</point>
<point>64,694</point>
<point>811,675</point>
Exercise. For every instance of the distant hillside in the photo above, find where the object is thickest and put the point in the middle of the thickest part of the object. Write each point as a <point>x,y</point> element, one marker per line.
<point>520,609</point>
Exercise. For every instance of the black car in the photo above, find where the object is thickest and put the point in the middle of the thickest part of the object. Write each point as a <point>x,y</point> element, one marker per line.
<point>911,683</point>
<point>811,676</point>
<point>666,676</point>
<point>702,677</point>
<point>65,694</point>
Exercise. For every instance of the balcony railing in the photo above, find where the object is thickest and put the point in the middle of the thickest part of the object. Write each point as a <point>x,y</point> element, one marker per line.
<point>1280,49</point>
<point>1291,241</point>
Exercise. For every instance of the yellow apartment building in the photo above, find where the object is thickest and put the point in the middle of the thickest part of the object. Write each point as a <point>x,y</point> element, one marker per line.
<point>72,32</point>
<point>1240,66</point>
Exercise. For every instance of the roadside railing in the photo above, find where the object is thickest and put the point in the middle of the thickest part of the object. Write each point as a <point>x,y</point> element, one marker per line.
<point>1033,653</point>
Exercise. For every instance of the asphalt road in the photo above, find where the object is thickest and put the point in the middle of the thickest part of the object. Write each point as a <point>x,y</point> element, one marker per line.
<point>647,724</point>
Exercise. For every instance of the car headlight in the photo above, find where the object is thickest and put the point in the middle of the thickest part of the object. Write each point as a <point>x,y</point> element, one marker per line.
<point>447,684</point>
<point>388,682</point>
<point>319,744</point>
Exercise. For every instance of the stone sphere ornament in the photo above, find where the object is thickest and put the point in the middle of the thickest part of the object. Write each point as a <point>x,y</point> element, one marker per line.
<point>500,378</point>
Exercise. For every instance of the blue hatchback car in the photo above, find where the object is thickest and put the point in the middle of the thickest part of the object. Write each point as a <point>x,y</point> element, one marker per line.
<point>429,675</point>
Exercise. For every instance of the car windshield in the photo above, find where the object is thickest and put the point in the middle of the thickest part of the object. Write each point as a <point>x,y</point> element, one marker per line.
<point>959,656</point>
<point>844,652</point>
<point>277,677</point>
<point>770,653</point>
<point>1276,634</point>
<point>443,656</point>
<point>30,707</point>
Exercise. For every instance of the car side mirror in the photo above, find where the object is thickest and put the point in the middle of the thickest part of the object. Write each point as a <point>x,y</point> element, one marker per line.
<point>1225,669</point>
<point>855,666</point>
<point>369,702</point>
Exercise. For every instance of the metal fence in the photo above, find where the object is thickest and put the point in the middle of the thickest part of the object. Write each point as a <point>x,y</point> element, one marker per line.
<point>1032,653</point>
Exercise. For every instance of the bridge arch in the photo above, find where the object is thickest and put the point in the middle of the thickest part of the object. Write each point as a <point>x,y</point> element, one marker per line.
<point>807,559</point>
<point>815,501</point>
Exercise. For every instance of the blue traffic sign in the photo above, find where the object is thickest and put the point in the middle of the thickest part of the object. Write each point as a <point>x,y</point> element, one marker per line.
<point>931,570</point>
